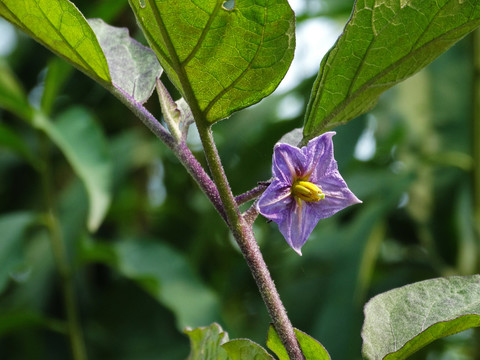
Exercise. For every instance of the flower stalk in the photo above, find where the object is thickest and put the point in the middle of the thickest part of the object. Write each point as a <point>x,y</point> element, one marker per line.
<point>252,194</point>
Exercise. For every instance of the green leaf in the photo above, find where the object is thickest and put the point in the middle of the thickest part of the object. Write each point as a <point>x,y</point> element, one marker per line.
<point>275,344</point>
<point>221,60</point>
<point>82,142</point>
<point>12,228</point>
<point>167,275</point>
<point>133,67</point>
<point>311,348</point>
<point>12,95</point>
<point>240,349</point>
<point>401,321</point>
<point>383,43</point>
<point>61,27</point>
<point>205,343</point>
<point>212,343</point>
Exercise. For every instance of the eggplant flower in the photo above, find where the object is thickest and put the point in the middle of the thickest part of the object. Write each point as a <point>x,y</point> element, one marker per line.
<point>306,187</point>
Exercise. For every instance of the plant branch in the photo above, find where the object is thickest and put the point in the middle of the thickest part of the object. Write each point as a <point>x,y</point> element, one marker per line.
<point>245,238</point>
<point>180,149</point>
<point>231,214</point>
<point>220,195</point>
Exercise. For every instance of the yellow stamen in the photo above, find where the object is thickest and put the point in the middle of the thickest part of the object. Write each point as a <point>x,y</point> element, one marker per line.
<point>307,191</point>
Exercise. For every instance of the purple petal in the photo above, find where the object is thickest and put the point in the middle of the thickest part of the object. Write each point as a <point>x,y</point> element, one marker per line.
<point>314,163</point>
<point>319,152</point>
<point>337,195</point>
<point>298,224</point>
<point>288,163</point>
<point>275,201</point>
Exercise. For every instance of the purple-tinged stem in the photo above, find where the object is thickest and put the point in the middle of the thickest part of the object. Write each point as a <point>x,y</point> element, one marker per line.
<point>243,233</point>
<point>252,194</point>
<point>251,215</point>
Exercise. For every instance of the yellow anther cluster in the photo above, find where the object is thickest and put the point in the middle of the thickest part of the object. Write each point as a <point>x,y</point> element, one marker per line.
<point>307,191</point>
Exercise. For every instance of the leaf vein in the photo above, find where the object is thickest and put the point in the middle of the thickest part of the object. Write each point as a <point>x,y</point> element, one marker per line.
<point>424,32</point>
<point>242,74</point>
<point>206,29</point>
<point>59,33</point>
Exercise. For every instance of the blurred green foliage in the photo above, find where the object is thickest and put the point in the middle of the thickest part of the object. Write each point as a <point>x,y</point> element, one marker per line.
<point>416,220</point>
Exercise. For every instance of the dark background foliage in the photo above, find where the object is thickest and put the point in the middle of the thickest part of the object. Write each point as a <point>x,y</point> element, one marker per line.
<point>409,160</point>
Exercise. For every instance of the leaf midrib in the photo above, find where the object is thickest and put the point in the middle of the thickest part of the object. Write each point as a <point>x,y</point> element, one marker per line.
<point>86,64</point>
<point>176,65</point>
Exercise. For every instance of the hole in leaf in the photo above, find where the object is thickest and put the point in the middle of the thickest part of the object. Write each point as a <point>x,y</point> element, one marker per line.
<point>229,4</point>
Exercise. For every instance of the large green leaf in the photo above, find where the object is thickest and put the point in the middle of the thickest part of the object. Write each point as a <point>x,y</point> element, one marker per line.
<point>61,27</point>
<point>401,321</point>
<point>384,42</point>
<point>133,67</point>
<point>311,348</point>
<point>82,142</point>
<point>221,60</point>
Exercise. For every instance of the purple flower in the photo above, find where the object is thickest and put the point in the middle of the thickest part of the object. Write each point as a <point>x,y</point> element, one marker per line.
<point>306,187</point>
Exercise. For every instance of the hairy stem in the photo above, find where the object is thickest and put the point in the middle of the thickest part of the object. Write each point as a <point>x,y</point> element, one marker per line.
<point>225,204</point>
<point>245,238</point>
<point>77,343</point>
<point>251,215</point>
<point>252,194</point>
